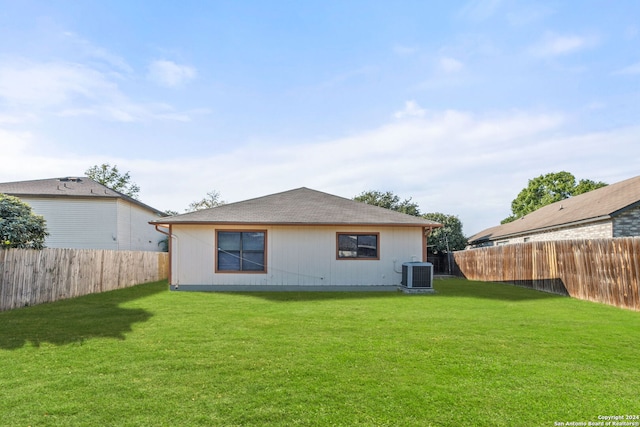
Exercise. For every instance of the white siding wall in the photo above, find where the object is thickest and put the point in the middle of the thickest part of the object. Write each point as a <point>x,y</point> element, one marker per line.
<point>296,255</point>
<point>78,223</point>
<point>134,231</point>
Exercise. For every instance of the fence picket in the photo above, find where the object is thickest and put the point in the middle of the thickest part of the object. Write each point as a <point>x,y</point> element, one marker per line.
<point>601,270</point>
<point>29,277</point>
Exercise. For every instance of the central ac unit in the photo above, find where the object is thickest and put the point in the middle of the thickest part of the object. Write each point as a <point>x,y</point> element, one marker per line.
<point>417,275</point>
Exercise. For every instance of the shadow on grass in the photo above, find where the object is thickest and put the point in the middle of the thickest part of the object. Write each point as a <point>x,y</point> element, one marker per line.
<point>449,287</point>
<point>459,287</point>
<point>297,296</point>
<point>76,320</point>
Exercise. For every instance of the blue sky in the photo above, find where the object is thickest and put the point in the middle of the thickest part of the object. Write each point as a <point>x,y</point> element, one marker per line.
<point>453,104</point>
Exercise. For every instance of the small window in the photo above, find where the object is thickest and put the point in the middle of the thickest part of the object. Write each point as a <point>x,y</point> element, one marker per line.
<point>358,245</point>
<point>241,251</point>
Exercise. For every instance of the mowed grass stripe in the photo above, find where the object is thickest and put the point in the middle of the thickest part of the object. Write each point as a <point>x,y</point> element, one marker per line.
<point>472,354</point>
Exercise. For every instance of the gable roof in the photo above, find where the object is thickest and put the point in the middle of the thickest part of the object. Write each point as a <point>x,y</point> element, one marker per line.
<point>68,187</point>
<point>595,205</point>
<point>299,206</point>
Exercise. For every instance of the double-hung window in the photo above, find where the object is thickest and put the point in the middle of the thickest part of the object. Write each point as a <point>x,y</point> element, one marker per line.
<point>358,246</point>
<point>241,251</point>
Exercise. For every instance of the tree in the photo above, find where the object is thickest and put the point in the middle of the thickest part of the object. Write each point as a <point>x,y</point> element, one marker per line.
<point>388,200</point>
<point>19,226</point>
<point>111,177</point>
<point>547,189</point>
<point>449,237</point>
<point>211,200</point>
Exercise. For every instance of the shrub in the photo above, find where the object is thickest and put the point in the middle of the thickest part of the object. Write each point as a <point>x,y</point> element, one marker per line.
<point>19,226</point>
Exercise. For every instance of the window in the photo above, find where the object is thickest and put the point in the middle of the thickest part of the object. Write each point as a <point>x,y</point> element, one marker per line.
<point>358,245</point>
<point>241,251</point>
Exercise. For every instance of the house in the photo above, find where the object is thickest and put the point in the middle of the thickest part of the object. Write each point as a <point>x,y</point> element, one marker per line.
<point>295,240</point>
<point>84,214</point>
<point>611,211</point>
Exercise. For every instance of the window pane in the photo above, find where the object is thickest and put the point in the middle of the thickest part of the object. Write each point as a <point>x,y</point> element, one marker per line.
<point>253,261</point>
<point>253,241</point>
<point>347,246</point>
<point>229,260</point>
<point>229,241</point>
<point>367,246</point>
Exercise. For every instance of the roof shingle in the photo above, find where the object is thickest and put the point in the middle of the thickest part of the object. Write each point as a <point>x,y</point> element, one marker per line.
<point>299,206</point>
<point>67,187</point>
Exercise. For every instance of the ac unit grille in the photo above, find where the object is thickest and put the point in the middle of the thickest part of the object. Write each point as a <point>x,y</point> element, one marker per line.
<point>417,275</point>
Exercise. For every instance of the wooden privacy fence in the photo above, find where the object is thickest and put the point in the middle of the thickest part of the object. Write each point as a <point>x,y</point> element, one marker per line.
<point>603,270</point>
<point>30,277</point>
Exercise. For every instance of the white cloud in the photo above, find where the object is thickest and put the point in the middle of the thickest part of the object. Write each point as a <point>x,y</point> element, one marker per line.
<point>15,118</point>
<point>556,45</point>
<point>13,143</point>
<point>70,89</point>
<point>411,109</point>
<point>451,161</point>
<point>631,69</point>
<point>90,50</point>
<point>450,65</point>
<point>448,161</point>
<point>48,84</point>
<point>169,74</point>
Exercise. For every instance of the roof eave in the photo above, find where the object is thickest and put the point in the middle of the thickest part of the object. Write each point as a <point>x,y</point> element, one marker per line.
<point>272,223</point>
<point>540,230</point>
<point>90,197</point>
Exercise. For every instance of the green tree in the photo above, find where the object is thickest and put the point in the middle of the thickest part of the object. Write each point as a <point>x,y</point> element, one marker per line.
<point>447,238</point>
<point>388,200</point>
<point>211,200</point>
<point>586,185</point>
<point>19,226</point>
<point>110,176</point>
<point>546,189</point>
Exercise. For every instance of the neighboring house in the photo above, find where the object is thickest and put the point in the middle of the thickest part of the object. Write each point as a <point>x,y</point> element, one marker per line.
<point>611,211</point>
<point>294,240</point>
<point>84,214</point>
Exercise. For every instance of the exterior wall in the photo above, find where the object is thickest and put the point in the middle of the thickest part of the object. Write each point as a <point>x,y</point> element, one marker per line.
<point>78,223</point>
<point>296,256</point>
<point>134,231</point>
<point>96,223</point>
<point>601,230</point>
<point>627,224</point>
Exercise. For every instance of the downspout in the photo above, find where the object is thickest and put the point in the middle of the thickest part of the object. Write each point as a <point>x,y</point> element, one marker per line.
<point>171,236</point>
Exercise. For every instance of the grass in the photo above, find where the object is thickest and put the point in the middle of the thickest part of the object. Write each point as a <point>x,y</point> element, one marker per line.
<point>473,354</point>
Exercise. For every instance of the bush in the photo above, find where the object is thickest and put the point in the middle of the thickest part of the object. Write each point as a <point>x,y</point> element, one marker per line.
<point>19,226</point>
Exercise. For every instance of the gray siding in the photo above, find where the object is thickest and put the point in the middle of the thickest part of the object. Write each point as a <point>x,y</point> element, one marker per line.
<point>96,223</point>
<point>134,231</point>
<point>78,223</point>
<point>627,224</point>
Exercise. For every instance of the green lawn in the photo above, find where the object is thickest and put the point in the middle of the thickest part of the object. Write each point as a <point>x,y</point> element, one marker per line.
<point>474,354</point>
